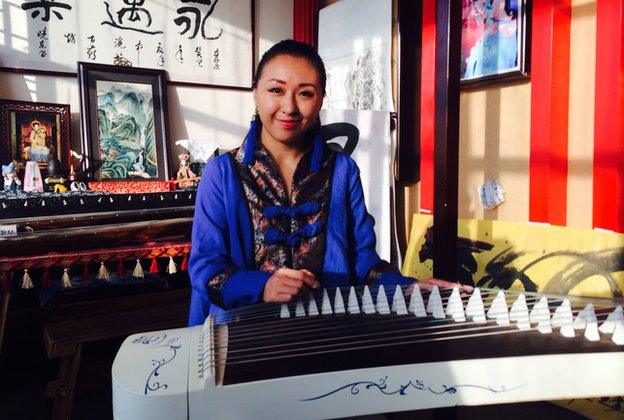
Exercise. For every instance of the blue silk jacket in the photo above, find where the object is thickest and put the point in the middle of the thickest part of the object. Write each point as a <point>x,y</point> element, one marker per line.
<point>223,239</point>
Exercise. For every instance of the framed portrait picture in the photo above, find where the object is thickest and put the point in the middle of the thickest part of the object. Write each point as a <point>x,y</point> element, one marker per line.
<point>124,122</point>
<point>495,41</point>
<point>34,131</point>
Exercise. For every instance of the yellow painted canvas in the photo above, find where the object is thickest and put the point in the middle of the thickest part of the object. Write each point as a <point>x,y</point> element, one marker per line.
<point>533,257</point>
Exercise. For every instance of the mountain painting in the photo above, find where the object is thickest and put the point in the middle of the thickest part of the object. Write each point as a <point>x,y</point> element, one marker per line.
<point>126,130</point>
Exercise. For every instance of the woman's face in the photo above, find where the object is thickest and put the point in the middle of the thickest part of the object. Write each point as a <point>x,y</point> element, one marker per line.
<point>288,96</point>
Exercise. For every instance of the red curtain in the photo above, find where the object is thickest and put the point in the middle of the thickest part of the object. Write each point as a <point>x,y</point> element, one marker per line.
<point>305,18</point>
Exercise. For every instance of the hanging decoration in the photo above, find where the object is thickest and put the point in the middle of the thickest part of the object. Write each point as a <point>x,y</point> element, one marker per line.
<point>26,280</point>
<point>65,280</point>
<point>138,270</point>
<point>153,266</point>
<point>47,264</point>
<point>103,272</point>
<point>171,267</point>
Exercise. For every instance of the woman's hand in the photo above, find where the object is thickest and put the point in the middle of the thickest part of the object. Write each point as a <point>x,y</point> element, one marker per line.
<point>287,283</point>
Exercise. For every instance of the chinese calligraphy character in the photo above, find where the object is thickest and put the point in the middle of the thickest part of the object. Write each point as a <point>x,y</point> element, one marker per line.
<point>119,43</point>
<point>197,23</point>
<point>178,55</point>
<point>138,47</point>
<point>198,56</point>
<point>216,60</point>
<point>43,37</point>
<point>47,6</point>
<point>70,37</point>
<point>91,52</point>
<point>161,55</point>
<point>134,12</point>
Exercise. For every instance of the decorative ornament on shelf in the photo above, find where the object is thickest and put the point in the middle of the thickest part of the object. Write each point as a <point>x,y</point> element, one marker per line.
<point>55,168</point>
<point>200,150</point>
<point>32,179</point>
<point>11,180</point>
<point>185,177</point>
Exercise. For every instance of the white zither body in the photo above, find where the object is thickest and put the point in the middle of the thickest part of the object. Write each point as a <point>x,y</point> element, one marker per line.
<point>171,374</point>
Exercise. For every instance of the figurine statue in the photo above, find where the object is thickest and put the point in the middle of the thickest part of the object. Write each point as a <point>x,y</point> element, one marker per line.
<point>32,178</point>
<point>185,177</point>
<point>55,168</point>
<point>11,180</point>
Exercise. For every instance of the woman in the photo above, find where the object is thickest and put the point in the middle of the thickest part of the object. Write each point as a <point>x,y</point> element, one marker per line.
<point>283,213</point>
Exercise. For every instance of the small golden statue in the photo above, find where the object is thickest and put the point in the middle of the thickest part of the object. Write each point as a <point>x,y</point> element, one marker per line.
<point>185,177</point>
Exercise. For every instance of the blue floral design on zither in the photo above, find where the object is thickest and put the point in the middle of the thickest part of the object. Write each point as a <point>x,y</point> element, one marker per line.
<point>382,386</point>
<point>158,341</point>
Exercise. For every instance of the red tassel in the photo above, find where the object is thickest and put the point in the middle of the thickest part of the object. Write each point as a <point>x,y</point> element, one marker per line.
<point>45,282</point>
<point>184,264</point>
<point>121,269</point>
<point>6,284</point>
<point>85,272</point>
<point>153,267</point>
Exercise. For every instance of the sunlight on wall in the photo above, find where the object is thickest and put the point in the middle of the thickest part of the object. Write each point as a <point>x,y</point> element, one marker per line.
<point>494,143</point>
<point>18,30</point>
<point>272,12</point>
<point>31,85</point>
<point>2,28</point>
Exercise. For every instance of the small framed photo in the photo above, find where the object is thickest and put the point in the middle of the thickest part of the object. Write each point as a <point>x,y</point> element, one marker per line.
<point>124,122</point>
<point>495,41</point>
<point>34,131</point>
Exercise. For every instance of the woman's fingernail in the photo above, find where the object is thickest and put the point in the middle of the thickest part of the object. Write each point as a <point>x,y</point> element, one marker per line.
<point>316,285</point>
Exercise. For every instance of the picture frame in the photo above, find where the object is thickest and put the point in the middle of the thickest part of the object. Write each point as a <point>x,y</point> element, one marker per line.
<point>123,123</point>
<point>495,41</point>
<point>34,131</point>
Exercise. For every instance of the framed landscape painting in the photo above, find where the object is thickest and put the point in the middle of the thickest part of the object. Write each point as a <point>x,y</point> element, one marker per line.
<point>124,124</point>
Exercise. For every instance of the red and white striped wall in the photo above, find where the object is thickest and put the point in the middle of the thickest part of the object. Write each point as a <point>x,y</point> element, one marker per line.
<point>576,157</point>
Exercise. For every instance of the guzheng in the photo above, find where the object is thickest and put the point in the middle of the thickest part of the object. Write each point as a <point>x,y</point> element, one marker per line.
<point>342,352</point>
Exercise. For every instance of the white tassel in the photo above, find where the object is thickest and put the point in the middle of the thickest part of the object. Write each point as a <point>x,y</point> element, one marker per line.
<point>103,273</point>
<point>65,280</point>
<point>138,270</point>
<point>171,267</point>
<point>26,281</point>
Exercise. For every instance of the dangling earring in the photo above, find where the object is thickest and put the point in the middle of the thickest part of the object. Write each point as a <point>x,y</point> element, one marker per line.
<point>250,139</point>
<point>317,148</point>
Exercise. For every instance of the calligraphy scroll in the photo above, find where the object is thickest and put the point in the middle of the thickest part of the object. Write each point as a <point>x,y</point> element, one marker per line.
<point>202,41</point>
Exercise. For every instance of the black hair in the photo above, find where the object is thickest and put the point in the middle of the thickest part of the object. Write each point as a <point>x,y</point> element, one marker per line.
<point>293,48</point>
